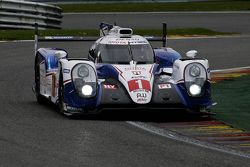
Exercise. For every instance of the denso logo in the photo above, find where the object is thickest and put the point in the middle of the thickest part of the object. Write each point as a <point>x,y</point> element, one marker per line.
<point>136,72</point>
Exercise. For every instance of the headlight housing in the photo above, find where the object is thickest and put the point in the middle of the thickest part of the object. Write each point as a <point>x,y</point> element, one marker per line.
<point>195,76</point>
<point>85,80</point>
<point>83,71</point>
<point>194,70</point>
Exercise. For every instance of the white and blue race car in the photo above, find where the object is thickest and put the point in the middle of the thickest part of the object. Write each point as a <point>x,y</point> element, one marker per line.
<point>122,71</point>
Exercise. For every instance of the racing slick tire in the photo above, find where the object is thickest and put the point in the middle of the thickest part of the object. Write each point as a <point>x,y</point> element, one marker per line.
<point>61,104</point>
<point>61,95</point>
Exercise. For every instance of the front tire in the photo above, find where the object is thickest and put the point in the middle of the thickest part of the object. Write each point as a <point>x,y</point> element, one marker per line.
<point>40,99</point>
<point>61,104</point>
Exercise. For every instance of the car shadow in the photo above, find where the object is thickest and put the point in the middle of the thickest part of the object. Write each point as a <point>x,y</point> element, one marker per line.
<point>157,116</point>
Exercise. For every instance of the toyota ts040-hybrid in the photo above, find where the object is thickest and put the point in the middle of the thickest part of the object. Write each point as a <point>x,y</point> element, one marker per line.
<point>122,70</point>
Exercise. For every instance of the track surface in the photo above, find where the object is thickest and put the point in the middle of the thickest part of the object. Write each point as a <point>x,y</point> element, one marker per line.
<point>219,21</point>
<point>36,135</point>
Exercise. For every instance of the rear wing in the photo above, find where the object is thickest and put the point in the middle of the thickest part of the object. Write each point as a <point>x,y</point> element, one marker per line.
<point>162,39</point>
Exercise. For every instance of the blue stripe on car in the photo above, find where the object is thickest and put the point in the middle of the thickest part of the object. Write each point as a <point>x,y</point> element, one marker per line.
<point>106,71</point>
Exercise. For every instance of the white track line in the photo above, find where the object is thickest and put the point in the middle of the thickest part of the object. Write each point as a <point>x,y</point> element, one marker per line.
<point>17,41</point>
<point>174,136</point>
<point>117,13</point>
<point>231,69</point>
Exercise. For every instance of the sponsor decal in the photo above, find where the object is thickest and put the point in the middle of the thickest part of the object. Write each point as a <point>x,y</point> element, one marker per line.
<point>135,69</point>
<point>138,77</point>
<point>58,37</point>
<point>141,90</point>
<point>141,95</point>
<point>164,86</point>
<point>126,40</point>
<point>74,108</point>
<point>66,71</point>
<point>110,86</point>
<point>136,72</point>
<point>141,100</point>
<point>139,84</point>
<point>117,42</point>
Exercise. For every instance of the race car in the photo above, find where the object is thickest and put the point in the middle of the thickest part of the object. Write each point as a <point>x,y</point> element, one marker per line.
<point>122,70</point>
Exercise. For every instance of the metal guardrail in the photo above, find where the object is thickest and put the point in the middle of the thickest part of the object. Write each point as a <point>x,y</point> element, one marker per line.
<point>112,1</point>
<point>19,14</point>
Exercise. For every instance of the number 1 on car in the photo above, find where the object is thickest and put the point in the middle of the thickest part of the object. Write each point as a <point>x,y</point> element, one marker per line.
<point>139,84</point>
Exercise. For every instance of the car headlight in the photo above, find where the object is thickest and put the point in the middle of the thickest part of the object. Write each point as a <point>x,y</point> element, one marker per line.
<point>194,71</point>
<point>85,80</point>
<point>195,90</point>
<point>87,90</point>
<point>82,71</point>
<point>195,76</point>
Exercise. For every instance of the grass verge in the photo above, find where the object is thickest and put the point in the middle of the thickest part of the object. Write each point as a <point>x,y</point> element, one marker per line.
<point>158,7</point>
<point>233,99</point>
<point>29,34</point>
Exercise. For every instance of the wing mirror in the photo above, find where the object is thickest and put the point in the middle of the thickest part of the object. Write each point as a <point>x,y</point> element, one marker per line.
<point>192,54</point>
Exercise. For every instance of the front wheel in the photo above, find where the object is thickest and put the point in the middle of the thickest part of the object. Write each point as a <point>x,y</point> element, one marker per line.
<point>61,104</point>
<point>40,99</point>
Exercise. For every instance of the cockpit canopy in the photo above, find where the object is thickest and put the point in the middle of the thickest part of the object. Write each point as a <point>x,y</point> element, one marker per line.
<point>123,54</point>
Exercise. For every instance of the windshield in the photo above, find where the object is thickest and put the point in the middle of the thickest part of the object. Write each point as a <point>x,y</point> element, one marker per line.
<point>121,54</point>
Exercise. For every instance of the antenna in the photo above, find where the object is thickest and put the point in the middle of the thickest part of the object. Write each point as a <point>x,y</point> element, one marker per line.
<point>130,51</point>
<point>164,34</point>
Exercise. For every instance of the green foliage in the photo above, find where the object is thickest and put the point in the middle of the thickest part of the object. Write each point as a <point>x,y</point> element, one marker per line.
<point>29,34</point>
<point>233,99</point>
<point>156,7</point>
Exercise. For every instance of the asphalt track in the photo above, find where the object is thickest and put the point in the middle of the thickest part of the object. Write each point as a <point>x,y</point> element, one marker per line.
<point>36,135</point>
<point>218,21</point>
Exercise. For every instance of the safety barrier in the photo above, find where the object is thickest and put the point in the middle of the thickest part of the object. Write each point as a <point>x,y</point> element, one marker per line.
<point>24,14</point>
<point>111,1</point>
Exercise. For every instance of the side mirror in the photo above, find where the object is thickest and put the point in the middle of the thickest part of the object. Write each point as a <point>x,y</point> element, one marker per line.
<point>60,54</point>
<point>191,54</point>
